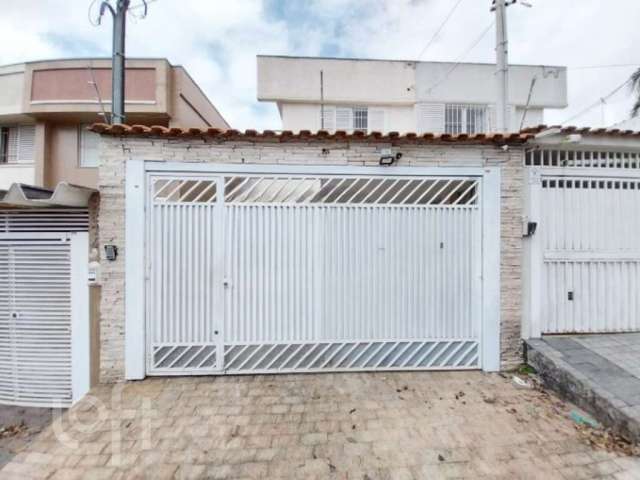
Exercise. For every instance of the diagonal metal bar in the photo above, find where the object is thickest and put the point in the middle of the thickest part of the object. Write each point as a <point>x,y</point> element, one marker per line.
<point>457,186</point>
<point>427,191</point>
<point>295,352</point>
<point>319,354</point>
<point>337,350</point>
<point>347,353</point>
<point>186,194</point>
<point>251,355</point>
<point>309,352</point>
<point>198,350</point>
<point>439,354</point>
<point>184,352</point>
<point>402,350</point>
<point>229,196</point>
<point>376,351</point>
<point>168,181</point>
<point>413,190</point>
<point>435,197</point>
<point>427,353</point>
<point>265,355</point>
<point>464,194</point>
<point>383,357</point>
<point>355,194</point>
<point>286,347</point>
<point>212,185</point>
<point>453,353</point>
<point>159,362</point>
<point>207,357</point>
<point>228,363</point>
<point>466,352</point>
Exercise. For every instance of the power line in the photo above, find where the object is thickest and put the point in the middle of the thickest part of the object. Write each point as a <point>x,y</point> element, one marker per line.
<point>451,12</point>
<point>462,57</point>
<point>619,65</point>
<point>598,102</point>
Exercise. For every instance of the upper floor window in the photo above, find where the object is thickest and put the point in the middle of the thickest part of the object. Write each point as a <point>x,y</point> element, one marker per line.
<point>17,144</point>
<point>352,119</point>
<point>88,153</point>
<point>468,119</point>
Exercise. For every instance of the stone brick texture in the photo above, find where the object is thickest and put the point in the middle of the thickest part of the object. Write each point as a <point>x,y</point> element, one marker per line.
<point>116,151</point>
<point>408,425</point>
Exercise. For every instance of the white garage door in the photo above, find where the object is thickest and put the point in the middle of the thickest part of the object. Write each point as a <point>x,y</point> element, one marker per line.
<point>585,255</point>
<point>284,272</point>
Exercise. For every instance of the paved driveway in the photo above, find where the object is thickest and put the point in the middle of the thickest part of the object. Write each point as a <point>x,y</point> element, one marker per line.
<point>364,426</point>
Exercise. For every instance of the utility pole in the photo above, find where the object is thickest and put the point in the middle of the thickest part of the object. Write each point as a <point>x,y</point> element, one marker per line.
<point>321,100</point>
<point>502,61</point>
<point>117,68</point>
<point>119,15</point>
<point>502,64</point>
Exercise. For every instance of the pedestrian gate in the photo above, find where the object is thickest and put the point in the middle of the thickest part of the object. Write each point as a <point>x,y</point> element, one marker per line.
<point>294,272</point>
<point>44,325</point>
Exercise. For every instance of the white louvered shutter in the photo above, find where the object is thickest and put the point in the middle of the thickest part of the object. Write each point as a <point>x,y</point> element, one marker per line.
<point>377,120</point>
<point>430,117</point>
<point>344,118</point>
<point>329,118</point>
<point>35,322</point>
<point>26,143</point>
<point>12,145</point>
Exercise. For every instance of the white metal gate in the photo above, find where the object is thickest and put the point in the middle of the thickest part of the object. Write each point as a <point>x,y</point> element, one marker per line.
<point>44,330</point>
<point>584,259</point>
<point>281,272</point>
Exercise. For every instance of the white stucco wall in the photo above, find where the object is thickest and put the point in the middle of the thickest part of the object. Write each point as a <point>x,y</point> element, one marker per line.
<point>16,173</point>
<point>371,81</point>
<point>475,83</point>
<point>306,116</point>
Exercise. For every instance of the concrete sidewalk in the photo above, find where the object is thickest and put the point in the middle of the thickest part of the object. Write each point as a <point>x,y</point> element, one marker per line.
<point>600,373</point>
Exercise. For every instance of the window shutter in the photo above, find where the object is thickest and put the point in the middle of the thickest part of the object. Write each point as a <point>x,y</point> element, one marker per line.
<point>88,147</point>
<point>377,120</point>
<point>329,118</point>
<point>12,145</point>
<point>344,119</point>
<point>430,117</point>
<point>26,137</point>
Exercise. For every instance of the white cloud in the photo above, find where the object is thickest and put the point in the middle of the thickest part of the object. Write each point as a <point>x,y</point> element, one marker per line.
<point>217,40</point>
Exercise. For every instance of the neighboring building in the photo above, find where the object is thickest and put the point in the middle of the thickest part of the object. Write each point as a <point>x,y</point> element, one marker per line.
<point>45,107</point>
<point>403,96</point>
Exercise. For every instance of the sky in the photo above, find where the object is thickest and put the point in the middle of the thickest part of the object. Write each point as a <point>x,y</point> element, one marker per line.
<point>218,40</point>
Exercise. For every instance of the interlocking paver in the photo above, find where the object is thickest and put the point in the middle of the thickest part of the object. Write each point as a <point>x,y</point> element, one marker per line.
<point>375,426</point>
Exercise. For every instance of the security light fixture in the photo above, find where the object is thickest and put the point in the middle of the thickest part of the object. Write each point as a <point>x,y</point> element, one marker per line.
<point>111,252</point>
<point>388,158</point>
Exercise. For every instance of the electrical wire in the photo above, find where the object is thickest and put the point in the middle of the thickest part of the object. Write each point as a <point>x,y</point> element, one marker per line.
<point>462,57</point>
<point>598,102</point>
<point>619,65</point>
<point>93,22</point>
<point>451,12</point>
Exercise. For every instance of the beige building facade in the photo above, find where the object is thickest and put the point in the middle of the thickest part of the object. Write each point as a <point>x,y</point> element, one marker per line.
<point>46,106</point>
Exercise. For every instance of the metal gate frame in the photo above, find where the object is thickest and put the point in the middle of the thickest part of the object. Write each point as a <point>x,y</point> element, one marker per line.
<point>534,254</point>
<point>80,327</point>
<point>136,274</point>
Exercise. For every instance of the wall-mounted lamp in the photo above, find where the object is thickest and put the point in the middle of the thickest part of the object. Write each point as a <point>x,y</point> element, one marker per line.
<point>387,157</point>
<point>110,252</point>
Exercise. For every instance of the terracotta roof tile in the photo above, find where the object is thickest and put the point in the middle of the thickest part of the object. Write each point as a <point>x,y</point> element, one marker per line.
<point>306,135</point>
<point>614,132</point>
